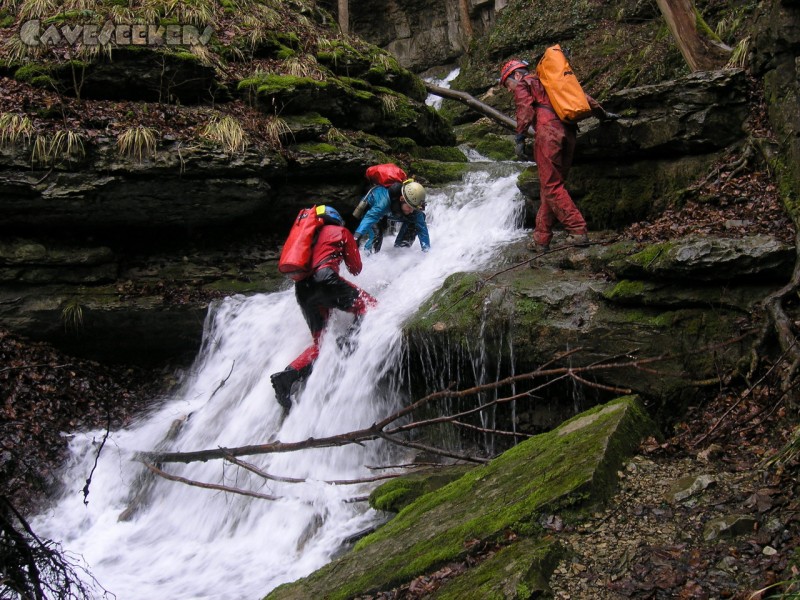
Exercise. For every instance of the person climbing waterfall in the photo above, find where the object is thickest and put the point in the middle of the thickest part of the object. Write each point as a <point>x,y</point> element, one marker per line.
<point>401,202</point>
<point>322,290</point>
<point>553,150</point>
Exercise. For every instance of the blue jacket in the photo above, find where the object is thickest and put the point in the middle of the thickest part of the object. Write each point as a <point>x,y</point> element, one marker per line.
<point>380,205</point>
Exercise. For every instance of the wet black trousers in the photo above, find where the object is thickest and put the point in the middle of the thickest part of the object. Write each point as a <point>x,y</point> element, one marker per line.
<point>321,292</point>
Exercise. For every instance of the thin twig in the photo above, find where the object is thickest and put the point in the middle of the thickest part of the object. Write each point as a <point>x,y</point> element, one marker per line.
<point>740,400</point>
<point>208,486</point>
<point>433,450</point>
<point>265,475</point>
<point>492,431</point>
<point>221,383</point>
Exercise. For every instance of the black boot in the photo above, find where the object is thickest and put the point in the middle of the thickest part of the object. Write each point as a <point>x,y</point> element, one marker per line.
<point>282,382</point>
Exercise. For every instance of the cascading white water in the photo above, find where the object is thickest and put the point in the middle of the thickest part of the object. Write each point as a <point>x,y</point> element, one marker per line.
<point>184,542</point>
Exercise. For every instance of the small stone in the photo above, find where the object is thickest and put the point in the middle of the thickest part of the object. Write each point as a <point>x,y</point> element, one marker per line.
<point>578,568</point>
<point>769,551</point>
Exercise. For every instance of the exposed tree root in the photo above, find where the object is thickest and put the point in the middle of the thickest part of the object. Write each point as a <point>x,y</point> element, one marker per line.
<point>782,326</point>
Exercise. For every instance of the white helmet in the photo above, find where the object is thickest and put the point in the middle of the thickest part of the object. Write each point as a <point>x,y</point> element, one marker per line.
<point>413,193</point>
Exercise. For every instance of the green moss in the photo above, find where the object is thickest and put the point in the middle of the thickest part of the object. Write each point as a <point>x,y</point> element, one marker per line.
<point>267,84</point>
<point>317,148</point>
<point>70,16</point>
<point>438,172</point>
<point>495,147</point>
<point>398,493</point>
<point>520,570</point>
<point>456,303</point>
<point>402,144</point>
<point>307,119</point>
<point>27,73</point>
<point>558,471</point>
<point>531,310</point>
<point>648,257</point>
<point>6,19</point>
<point>626,289</point>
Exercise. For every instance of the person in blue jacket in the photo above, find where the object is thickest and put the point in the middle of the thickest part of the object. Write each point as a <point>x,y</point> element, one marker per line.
<point>400,202</point>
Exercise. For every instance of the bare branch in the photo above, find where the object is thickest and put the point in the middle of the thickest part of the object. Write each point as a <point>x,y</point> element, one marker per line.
<point>265,475</point>
<point>493,431</point>
<point>208,486</point>
<point>378,429</point>
<point>433,450</point>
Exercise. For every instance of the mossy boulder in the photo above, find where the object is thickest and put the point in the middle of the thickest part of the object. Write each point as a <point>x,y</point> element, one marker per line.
<point>566,471</point>
<point>705,258</point>
<point>562,304</point>
<point>398,493</point>
<point>521,571</point>
<point>143,73</point>
<point>350,103</point>
<point>434,171</point>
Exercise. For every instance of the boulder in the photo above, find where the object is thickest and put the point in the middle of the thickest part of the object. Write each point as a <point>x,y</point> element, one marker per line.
<point>562,471</point>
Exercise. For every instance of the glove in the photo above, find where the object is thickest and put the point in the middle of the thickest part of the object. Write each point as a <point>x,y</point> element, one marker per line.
<point>610,116</point>
<point>358,237</point>
<point>519,150</point>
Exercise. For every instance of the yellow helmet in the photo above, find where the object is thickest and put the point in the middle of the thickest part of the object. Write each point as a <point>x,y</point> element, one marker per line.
<point>413,193</point>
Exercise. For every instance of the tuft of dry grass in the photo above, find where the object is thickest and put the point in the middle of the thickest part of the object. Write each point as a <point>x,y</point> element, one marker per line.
<point>389,103</point>
<point>14,128</point>
<point>138,143</point>
<point>226,132</point>
<point>275,128</point>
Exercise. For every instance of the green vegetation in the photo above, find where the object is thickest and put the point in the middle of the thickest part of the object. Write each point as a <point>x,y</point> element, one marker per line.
<point>564,471</point>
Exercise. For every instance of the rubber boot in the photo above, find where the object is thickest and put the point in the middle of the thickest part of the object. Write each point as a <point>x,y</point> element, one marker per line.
<point>282,382</point>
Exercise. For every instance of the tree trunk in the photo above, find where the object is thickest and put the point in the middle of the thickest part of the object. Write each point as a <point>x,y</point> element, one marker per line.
<point>466,24</point>
<point>701,48</point>
<point>344,16</point>
<point>474,104</point>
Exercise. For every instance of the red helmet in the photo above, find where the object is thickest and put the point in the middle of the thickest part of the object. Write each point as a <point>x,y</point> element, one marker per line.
<point>510,67</point>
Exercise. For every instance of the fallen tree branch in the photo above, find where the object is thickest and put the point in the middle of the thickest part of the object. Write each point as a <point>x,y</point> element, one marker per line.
<point>378,429</point>
<point>265,475</point>
<point>433,450</point>
<point>473,103</point>
<point>208,486</point>
<point>492,431</point>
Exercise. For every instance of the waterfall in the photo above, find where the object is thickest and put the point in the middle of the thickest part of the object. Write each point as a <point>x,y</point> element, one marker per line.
<point>434,100</point>
<point>180,542</point>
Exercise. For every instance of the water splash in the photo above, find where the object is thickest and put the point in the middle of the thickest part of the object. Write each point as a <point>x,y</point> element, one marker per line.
<point>181,542</point>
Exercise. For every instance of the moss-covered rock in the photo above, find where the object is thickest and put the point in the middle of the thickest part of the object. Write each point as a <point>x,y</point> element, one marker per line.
<point>434,171</point>
<point>398,493</point>
<point>350,103</point>
<point>566,470</point>
<point>521,571</point>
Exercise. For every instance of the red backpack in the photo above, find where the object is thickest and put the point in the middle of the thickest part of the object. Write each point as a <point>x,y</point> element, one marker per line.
<point>295,260</point>
<point>383,175</point>
<point>386,174</point>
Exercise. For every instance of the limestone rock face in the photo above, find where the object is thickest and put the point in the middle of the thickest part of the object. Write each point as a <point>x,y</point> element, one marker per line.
<point>668,301</point>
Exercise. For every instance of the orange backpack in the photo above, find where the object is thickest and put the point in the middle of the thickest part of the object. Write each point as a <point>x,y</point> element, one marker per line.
<point>562,87</point>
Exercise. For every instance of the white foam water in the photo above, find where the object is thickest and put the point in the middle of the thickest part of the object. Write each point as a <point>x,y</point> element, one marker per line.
<point>182,542</point>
